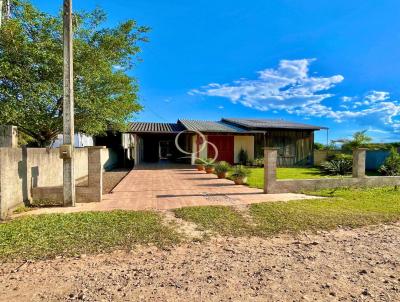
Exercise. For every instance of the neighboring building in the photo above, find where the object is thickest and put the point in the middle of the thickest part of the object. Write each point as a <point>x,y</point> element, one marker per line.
<point>152,142</point>
<point>80,140</point>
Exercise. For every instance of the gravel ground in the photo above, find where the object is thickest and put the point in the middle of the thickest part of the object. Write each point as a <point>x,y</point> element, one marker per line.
<point>342,265</point>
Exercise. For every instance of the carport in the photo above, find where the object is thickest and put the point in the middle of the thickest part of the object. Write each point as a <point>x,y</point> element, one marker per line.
<point>156,142</point>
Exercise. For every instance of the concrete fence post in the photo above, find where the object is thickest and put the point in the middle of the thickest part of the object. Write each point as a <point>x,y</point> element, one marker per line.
<point>270,163</point>
<point>359,157</point>
<point>95,171</point>
<point>8,136</point>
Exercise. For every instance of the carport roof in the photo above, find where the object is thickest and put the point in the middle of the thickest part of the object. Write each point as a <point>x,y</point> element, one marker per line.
<point>269,124</point>
<point>226,125</point>
<point>145,127</point>
<point>210,126</point>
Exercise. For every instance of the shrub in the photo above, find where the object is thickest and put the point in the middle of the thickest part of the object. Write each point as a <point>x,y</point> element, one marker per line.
<point>222,167</point>
<point>319,146</point>
<point>340,164</point>
<point>240,171</point>
<point>243,156</point>
<point>342,156</point>
<point>391,166</point>
<point>209,163</point>
<point>200,161</point>
<point>259,162</point>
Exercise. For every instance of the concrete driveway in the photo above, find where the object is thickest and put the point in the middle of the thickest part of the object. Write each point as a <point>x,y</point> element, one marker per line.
<point>163,187</point>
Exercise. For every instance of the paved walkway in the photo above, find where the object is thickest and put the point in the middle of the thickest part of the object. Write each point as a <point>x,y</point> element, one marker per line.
<point>154,187</point>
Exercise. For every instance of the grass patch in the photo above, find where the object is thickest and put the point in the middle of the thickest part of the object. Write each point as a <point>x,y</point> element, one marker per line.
<point>256,178</point>
<point>220,219</point>
<point>47,236</point>
<point>348,207</point>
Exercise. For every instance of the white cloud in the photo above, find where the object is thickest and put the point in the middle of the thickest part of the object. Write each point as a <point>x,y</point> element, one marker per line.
<point>375,96</point>
<point>221,107</point>
<point>291,88</point>
<point>287,87</point>
<point>347,99</point>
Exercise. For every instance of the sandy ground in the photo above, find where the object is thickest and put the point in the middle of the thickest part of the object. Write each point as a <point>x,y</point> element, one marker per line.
<point>342,265</point>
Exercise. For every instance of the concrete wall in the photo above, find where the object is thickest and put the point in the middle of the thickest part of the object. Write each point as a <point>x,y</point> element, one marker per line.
<point>246,143</point>
<point>22,170</point>
<point>321,156</point>
<point>302,185</point>
<point>359,179</point>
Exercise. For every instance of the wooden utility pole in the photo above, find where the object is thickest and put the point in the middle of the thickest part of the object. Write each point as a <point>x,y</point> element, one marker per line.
<point>67,150</point>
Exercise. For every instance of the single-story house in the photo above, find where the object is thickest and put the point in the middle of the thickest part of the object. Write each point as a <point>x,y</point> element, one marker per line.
<point>153,142</point>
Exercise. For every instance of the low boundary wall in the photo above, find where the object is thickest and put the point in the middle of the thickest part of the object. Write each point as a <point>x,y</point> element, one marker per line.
<point>37,173</point>
<point>359,179</point>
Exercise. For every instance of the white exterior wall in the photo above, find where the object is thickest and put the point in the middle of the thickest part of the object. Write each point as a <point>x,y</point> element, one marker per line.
<point>245,143</point>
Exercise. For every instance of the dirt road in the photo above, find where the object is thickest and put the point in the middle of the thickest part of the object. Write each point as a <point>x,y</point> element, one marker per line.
<point>343,265</point>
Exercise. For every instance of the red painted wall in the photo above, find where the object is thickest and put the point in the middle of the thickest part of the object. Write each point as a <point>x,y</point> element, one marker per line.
<point>225,146</point>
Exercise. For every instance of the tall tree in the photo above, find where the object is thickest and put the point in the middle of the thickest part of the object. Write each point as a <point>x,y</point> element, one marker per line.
<point>31,72</point>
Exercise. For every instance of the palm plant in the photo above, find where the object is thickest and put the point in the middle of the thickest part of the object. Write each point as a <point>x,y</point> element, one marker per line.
<point>222,168</point>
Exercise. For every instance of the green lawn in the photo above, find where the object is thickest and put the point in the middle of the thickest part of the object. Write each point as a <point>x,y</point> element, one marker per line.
<point>345,207</point>
<point>256,178</point>
<point>221,219</point>
<point>46,236</point>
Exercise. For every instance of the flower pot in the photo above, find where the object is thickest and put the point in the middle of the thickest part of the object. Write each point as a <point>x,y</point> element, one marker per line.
<point>221,174</point>
<point>200,167</point>
<point>209,170</point>
<point>240,180</point>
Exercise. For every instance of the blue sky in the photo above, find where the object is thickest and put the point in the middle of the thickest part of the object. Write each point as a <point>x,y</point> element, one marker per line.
<point>329,63</point>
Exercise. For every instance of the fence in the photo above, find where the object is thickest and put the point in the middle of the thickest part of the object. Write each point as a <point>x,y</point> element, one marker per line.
<point>321,156</point>
<point>359,179</point>
<point>375,159</point>
<point>37,173</point>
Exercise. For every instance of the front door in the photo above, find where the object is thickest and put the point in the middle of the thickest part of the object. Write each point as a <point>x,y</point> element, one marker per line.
<point>225,147</point>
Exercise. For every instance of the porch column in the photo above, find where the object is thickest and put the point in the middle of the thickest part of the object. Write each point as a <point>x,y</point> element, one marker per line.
<point>359,157</point>
<point>270,163</point>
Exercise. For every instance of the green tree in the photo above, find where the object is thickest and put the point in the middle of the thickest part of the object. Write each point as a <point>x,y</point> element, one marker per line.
<point>359,140</point>
<point>31,72</point>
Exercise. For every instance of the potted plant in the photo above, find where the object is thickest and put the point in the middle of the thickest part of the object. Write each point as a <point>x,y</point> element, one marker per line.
<point>200,164</point>
<point>209,166</point>
<point>240,174</point>
<point>222,168</point>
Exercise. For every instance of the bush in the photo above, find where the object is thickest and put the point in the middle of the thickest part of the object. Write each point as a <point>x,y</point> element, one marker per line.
<point>341,156</point>
<point>243,156</point>
<point>391,167</point>
<point>340,164</point>
<point>240,171</point>
<point>209,163</point>
<point>319,146</point>
<point>222,167</point>
<point>259,162</point>
<point>200,161</point>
